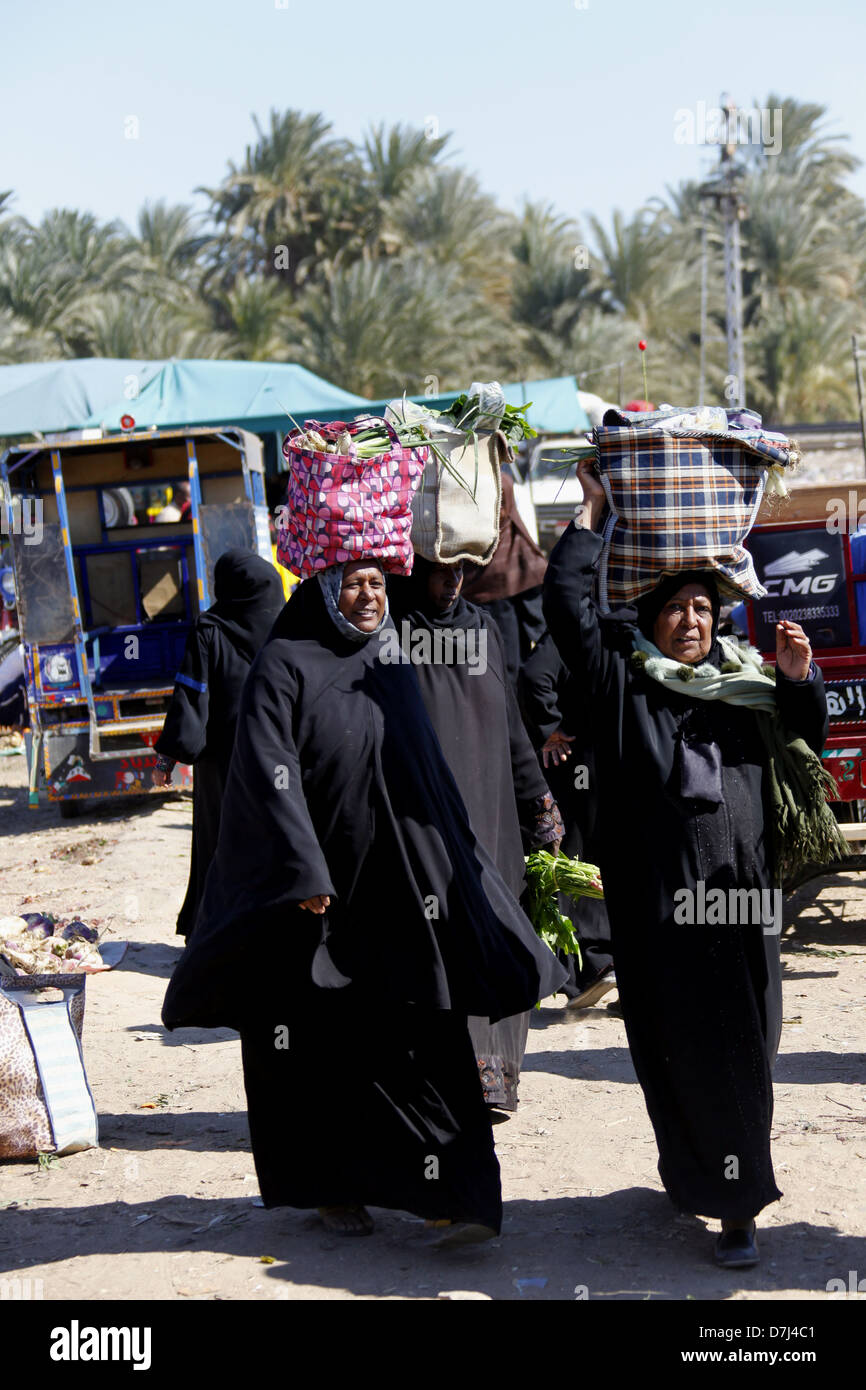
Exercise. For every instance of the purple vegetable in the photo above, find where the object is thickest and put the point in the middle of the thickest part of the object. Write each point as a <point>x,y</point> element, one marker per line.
<point>39,925</point>
<point>79,931</point>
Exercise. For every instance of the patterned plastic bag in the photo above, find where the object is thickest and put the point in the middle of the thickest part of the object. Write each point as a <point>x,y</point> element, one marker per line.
<point>343,508</point>
<point>680,499</point>
<point>46,1105</point>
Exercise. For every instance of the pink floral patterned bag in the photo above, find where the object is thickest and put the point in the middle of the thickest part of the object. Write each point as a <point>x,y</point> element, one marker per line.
<point>341,507</point>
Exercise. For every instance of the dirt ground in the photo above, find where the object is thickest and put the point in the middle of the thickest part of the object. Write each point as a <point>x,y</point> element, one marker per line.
<point>166,1207</point>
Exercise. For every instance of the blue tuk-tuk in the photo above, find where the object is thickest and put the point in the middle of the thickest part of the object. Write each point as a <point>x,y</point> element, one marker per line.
<point>114,542</point>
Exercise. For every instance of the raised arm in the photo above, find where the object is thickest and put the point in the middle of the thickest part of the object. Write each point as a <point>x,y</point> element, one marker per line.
<point>568,604</point>
<point>800,697</point>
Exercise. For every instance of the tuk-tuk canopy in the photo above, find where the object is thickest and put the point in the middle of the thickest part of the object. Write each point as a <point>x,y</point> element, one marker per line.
<point>49,397</point>
<point>258,396</point>
<point>95,392</point>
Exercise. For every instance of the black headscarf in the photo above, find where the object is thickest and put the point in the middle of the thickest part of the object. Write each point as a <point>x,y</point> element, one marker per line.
<point>249,595</point>
<point>409,598</point>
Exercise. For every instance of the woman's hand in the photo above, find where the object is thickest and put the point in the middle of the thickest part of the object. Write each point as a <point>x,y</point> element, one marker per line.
<point>318,904</point>
<point>588,513</point>
<point>556,748</point>
<point>793,651</point>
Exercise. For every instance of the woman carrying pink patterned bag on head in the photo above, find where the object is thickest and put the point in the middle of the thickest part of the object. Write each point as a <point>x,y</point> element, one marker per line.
<point>344,505</point>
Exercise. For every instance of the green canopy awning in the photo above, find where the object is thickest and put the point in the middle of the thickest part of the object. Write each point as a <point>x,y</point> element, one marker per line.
<point>50,397</point>
<point>257,396</point>
<point>555,407</point>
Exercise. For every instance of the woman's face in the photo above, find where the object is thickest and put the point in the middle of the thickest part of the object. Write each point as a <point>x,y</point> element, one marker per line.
<point>683,629</point>
<point>362,595</point>
<point>444,584</point>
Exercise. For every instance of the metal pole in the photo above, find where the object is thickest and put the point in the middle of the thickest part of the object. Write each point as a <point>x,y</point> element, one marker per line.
<point>858,373</point>
<point>735,389</point>
<point>703,362</point>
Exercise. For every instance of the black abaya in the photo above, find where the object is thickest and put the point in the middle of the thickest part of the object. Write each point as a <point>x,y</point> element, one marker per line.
<point>473,709</point>
<point>520,621</point>
<point>702,1003</point>
<point>338,787</point>
<point>199,726</point>
<point>550,700</point>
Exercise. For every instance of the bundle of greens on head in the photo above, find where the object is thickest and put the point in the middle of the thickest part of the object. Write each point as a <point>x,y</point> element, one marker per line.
<point>483,409</point>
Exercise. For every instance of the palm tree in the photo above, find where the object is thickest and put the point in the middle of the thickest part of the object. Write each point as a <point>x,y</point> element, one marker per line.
<point>21,343</point>
<point>379,327</point>
<point>255,315</point>
<point>551,272</point>
<point>394,156</point>
<point>120,324</point>
<point>47,273</point>
<point>275,198</point>
<point>443,214</point>
<point>804,351</point>
<point>172,242</point>
<point>806,146</point>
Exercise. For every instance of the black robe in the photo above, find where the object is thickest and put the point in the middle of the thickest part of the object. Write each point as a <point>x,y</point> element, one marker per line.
<point>338,787</point>
<point>550,700</point>
<point>473,709</point>
<point>520,621</point>
<point>701,1003</point>
<point>199,726</point>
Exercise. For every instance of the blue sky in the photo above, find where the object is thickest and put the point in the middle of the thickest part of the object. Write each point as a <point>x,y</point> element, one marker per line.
<point>569,101</point>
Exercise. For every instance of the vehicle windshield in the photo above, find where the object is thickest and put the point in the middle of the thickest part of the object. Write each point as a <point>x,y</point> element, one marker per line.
<point>147,504</point>
<point>559,461</point>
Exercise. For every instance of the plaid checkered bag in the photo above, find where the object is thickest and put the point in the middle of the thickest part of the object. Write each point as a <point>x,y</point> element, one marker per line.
<point>343,508</point>
<point>680,500</point>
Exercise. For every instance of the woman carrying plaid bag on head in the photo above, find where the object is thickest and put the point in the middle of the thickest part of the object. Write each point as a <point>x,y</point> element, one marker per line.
<point>713,761</point>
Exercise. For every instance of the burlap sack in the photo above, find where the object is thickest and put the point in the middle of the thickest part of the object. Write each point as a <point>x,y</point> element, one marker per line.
<point>449,522</point>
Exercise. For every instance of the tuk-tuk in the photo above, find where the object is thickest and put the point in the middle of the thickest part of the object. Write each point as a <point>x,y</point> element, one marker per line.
<point>811,556</point>
<point>114,542</point>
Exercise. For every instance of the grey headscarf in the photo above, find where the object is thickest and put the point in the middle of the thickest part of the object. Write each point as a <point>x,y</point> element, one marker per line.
<point>331,583</point>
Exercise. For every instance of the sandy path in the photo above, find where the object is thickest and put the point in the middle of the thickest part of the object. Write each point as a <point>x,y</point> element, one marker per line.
<point>164,1209</point>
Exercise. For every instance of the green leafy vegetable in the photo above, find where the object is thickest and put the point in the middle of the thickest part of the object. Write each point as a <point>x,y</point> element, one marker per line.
<point>548,874</point>
<point>463,414</point>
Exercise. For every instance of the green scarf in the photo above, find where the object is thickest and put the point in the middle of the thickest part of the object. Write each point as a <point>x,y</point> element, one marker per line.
<point>804,829</point>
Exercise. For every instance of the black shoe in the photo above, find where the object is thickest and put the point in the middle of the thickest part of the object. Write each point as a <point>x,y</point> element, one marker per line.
<point>738,1248</point>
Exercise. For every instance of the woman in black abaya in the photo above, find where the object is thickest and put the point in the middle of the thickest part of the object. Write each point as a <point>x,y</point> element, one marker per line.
<point>559,725</point>
<point>469,698</point>
<point>350,923</point>
<point>508,589</point>
<point>200,722</point>
<point>713,764</point>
